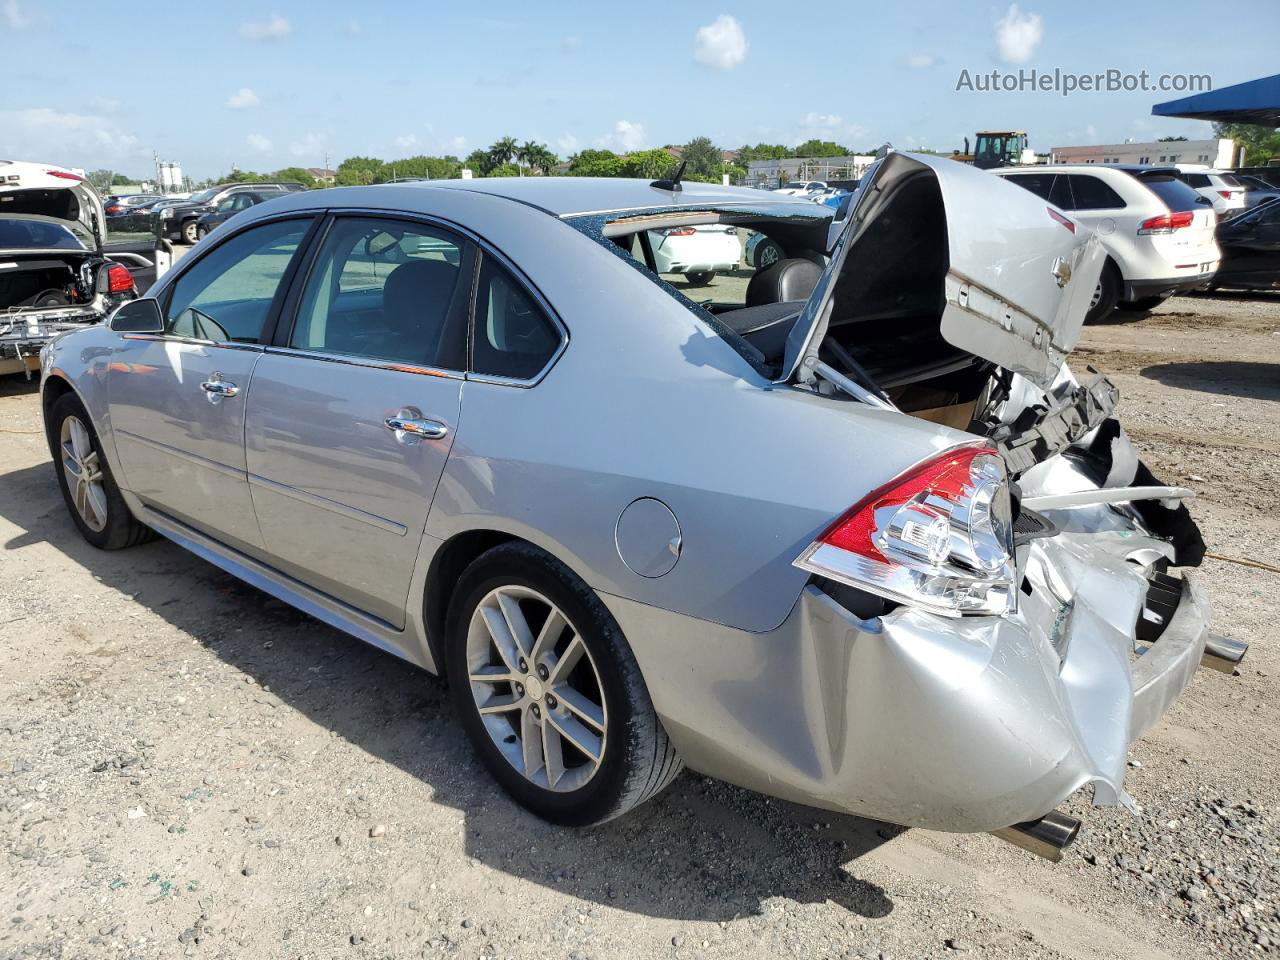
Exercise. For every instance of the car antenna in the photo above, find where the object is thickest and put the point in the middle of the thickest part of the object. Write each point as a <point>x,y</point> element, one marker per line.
<point>672,183</point>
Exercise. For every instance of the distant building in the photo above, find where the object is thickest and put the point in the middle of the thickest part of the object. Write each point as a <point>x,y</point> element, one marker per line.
<point>1218,153</point>
<point>774,173</point>
<point>321,175</point>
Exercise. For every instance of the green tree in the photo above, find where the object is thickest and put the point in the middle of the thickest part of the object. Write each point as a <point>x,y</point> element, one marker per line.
<point>479,162</point>
<point>763,151</point>
<point>648,164</point>
<point>504,170</point>
<point>820,148</point>
<point>359,171</point>
<point>1260,143</point>
<point>703,159</point>
<point>1170,139</point>
<point>433,168</point>
<point>595,163</point>
<point>503,151</point>
<point>296,175</point>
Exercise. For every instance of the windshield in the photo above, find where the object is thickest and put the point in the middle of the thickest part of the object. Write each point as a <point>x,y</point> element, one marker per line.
<point>35,235</point>
<point>796,185</point>
<point>204,196</point>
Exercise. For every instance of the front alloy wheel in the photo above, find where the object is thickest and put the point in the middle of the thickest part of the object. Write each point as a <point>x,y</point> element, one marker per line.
<point>536,688</point>
<point>83,471</point>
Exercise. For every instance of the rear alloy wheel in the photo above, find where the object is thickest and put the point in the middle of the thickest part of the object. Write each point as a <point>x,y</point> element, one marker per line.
<point>190,231</point>
<point>84,476</point>
<point>549,692</point>
<point>1105,295</point>
<point>699,278</point>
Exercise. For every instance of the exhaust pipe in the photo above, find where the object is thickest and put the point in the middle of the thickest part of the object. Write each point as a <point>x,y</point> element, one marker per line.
<point>1046,837</point>
<point>1223,653</point>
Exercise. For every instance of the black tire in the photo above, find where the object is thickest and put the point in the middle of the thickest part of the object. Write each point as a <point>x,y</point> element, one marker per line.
<point>190,232</point>
<point>1107,294</point>
<point>638,759</point>
<point>201,232</point>
<point>699,278</point>
<point>122,528</point>
<point>1145,304</point>
<point>766,253</point>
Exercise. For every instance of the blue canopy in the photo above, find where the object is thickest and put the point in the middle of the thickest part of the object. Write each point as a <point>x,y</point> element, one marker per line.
<point>1255,101</point>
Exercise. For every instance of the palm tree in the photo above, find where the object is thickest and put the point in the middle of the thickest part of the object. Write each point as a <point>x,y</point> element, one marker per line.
<point>544,160</point>
<point>503,151</point>
<point>527,152</point>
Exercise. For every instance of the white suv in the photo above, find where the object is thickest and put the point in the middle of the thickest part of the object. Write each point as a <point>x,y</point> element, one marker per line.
<point>1158,232</point>
<point>1224,191</point>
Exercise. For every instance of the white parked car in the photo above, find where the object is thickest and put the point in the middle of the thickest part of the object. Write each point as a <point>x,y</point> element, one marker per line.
<point>1158,232</point>
<point>802,188</point>
<point>1224,191</point>
<point>699,252</point>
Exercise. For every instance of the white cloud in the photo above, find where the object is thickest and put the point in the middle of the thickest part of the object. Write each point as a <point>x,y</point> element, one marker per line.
<point>721,43</point>
<point>106,104</point>
<point>243,99</point>
<point>921,61</point>
<point>1018,34</point>
<point>72,139</point>
<point>406,141</point>
<point>352,28</point>
<point>1091,131</point>
<point>14,17</point>
<point>311,145</point>
<point>826,126</point>
<point>276,28</point>
<point>626,136</point>
<point>258,142</point>
<point>456,146</point>
<point>571,42</point>
<point>568,144</point>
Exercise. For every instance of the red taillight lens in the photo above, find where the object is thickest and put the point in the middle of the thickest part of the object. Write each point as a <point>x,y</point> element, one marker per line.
<point>119,279</point>
<point>1166,223</point>
<point>1065,221</point>
<point>1225,194</point>
<point>64,175</point>
<point>939,537</point>
<point>679,232</point>
<point>114,208</point>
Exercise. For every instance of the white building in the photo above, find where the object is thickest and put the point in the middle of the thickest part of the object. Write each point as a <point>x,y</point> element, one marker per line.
<point>1218,153</point>
<point>774,173</point>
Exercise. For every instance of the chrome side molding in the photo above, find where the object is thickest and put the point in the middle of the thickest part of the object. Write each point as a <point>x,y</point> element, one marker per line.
<point>1046,837</point>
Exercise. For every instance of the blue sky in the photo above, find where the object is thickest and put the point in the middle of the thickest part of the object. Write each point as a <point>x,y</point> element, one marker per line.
<point>265,86</point>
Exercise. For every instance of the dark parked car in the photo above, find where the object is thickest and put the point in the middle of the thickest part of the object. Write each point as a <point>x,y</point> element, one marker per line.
<point>178,222</point>
<point>1250,246</point>
<point>119,210</point>
<point>229,207</point>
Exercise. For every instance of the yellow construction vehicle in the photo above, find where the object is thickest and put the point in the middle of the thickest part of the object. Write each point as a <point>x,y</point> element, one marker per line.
<point>997,148</point>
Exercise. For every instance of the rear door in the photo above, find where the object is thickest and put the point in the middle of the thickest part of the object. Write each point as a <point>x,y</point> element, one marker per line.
<point>177,399</point>
<point>354,409</point>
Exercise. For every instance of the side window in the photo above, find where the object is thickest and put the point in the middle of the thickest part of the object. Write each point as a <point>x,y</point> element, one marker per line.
<point>387,290</point>
<point>226,295</point>
<point>1060,196</point>
<point>1092,194</point>
<point>513,337</point>
<point>1197,179</point>
<point>1038,183</point>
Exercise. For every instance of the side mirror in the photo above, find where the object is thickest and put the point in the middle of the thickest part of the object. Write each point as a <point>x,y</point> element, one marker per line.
<point>137,316</point>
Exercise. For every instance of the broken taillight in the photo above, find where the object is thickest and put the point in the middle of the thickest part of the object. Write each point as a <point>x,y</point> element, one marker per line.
<point>939,537</point>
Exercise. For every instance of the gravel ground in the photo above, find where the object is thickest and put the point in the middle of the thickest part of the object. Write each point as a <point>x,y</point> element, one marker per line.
<point>189,768</point>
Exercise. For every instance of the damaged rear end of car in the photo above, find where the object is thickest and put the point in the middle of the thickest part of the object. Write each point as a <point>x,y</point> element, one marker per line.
<point>1005,617</point>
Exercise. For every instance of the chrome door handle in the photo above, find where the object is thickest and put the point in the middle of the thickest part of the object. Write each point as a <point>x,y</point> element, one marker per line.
<point>217,388</point>
<point>411,430</point>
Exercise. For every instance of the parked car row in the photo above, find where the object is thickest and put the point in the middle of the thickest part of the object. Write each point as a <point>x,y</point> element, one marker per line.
<point>624,590</point>
<point>187,221</point>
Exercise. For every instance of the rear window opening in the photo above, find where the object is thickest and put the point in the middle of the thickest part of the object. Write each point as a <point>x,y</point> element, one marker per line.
<point>1175,194</point>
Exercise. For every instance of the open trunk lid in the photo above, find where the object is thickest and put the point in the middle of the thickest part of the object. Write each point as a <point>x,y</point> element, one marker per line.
<point>41,190</point>
<point>933,249</point>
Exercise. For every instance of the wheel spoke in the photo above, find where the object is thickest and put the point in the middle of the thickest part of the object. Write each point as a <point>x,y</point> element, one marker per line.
<point>500,633</point>
<point>491,674</point>
<point>549,635</point>
<point>564,665</point>
<point>531,741</point>
<point>90,464</point>
<point>96,498</point>
<point>580,706</point>
<point>70,460</point>
<point>82,498</point>
<point>80,439</point>
<point>500,704</point>
<point>516,623</point>
<point>552,755</point>
<point>579,736</point>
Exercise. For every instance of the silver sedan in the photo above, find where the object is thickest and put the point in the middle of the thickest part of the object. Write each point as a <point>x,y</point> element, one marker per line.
<point>844,528</point>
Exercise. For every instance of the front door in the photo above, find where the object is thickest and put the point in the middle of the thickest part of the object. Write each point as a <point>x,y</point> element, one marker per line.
<point>351,417</point>
<point>177,399</point>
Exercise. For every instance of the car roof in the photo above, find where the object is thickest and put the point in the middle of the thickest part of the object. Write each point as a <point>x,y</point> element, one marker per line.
<point>570,196</point>
<point>1109,169</point>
